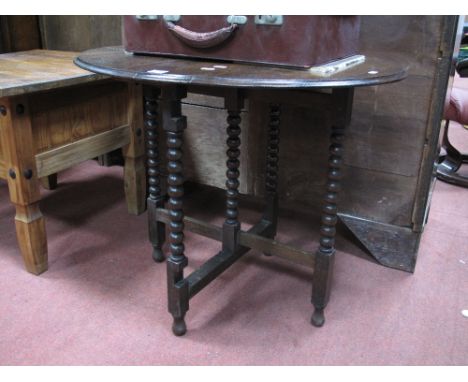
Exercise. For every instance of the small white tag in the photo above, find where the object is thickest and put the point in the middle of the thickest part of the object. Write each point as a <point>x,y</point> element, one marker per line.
<point>337,66</point>
<point>220,66</point>
<point>157,71</point>
<point>206,68</point>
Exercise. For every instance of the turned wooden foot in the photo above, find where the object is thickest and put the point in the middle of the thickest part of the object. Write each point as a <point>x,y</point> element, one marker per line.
<point>158,255</point>
<point>179,328</point>
<point>32,239</point>
<point>318,318</point>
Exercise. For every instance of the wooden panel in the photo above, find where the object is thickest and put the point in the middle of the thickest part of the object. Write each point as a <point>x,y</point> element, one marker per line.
<point>63,116</point>
<point>78,33</point>
<point>303,149</point>
<point>37,70</point>
<point>205,146</point>
<point>390,201</point>
<point>18,33</point>
<point>63,157</point>
<point>443,82</point>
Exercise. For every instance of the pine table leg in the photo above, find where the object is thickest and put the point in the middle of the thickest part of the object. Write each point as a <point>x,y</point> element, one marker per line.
<point>134,153</point>
<point>23,183</point>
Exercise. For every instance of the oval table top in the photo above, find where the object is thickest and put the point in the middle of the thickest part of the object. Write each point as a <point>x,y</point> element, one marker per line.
<point>116,62</point>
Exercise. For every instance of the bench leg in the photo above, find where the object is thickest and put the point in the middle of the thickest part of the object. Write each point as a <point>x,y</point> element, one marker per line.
<point>134,153</point>
<point>23,183</point>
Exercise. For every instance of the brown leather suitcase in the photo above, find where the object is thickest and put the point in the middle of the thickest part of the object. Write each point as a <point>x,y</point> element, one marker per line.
<point>297,41</point>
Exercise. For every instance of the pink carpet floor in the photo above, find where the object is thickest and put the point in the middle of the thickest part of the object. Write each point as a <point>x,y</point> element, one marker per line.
<point>103,299</point>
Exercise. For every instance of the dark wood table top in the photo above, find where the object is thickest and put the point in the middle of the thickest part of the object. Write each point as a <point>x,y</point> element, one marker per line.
<point>37,70</point>
<point>114,61</point>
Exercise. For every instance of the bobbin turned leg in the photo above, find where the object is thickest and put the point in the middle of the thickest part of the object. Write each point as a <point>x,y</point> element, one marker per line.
<point>174,124</point>
<point>325,257</point>
<point>155,199</point>
<point>233,103</point>
<point>271,176</point>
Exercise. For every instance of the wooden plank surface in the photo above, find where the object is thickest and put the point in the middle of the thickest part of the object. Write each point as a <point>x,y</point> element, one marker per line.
<point>66,115</point>
<point>205,146</point>
<point>19,33</point>
<point>114,61</point>
<point>80,32</point>
<point>50,162</point>
<point>37,70</point>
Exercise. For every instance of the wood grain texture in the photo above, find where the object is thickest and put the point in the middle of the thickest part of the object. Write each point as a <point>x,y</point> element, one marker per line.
<point>205,146</point>
<point>18,149</point>
<point>3,172</point>
<point>19,33</point>
<point>116,62</point>
<point>80,32</point>
<point>65,156</point>
<point>23,184</point>
<point>66,115</point>
<point>134,153</point>
<point>55,115</point>
<point>36,70</point>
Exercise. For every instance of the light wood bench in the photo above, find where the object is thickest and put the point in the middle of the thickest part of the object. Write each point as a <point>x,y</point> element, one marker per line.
<point>54,115</point>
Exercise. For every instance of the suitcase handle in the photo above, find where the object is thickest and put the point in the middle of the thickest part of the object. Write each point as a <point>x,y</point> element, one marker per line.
<point>203,39</point>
